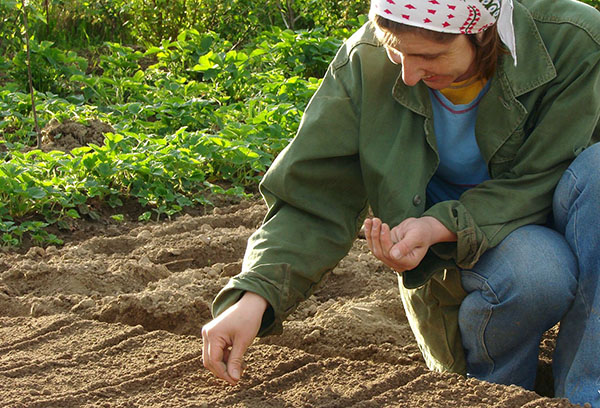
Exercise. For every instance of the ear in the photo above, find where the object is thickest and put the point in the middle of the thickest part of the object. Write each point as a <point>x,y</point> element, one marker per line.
<point>479,36</point>
<point>394,59</point>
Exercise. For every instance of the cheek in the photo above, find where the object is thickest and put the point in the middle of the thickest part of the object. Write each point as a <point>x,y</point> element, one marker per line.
<point>465,63</point>
<point>452,67</point>
<point>435,68</point>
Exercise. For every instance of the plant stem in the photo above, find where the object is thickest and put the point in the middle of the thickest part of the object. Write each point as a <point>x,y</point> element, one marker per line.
<point>35,120</point>
<point>47,8</point>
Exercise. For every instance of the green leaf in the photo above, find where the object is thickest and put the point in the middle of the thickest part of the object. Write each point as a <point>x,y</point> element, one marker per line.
<point>145,216</point>
<point>76,99</point>
<point>36,193</point>
<point>8,239</point>
<point>73,213</point>
<point>115,201</point>
<point>257,52</point>
<point>105,169</point>
<point>205,62</point>
<point>152,50</point>
<point>138,76</point>
<point>114,137</point>
<point>134,108</point>
<point>94,215</point>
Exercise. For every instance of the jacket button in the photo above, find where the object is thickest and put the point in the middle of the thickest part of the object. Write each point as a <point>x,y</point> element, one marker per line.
<point>417,200</point>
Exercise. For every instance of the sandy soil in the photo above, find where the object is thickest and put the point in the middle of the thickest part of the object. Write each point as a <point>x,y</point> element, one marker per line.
<point>113,319</point>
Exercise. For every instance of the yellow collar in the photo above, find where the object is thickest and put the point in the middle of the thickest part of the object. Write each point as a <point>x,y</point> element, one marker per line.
<point>463,92</point>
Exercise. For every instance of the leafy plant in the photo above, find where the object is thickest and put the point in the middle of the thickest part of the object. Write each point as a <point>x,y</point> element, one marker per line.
<point>197,106</point>
<point>51,68</point>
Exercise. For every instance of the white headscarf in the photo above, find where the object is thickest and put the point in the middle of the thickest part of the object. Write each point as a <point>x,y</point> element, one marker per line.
<point>452,16</point>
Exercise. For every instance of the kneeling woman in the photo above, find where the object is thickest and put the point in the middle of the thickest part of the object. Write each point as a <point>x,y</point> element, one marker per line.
<point>469,127</point>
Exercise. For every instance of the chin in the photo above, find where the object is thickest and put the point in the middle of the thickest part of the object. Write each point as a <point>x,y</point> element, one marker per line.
<point>437,85</point>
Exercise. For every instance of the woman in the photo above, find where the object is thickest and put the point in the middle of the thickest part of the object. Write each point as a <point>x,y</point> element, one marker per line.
<point>484,168</point>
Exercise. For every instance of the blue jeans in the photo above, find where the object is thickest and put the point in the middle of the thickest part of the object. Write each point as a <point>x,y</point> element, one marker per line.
<point>536,277</point>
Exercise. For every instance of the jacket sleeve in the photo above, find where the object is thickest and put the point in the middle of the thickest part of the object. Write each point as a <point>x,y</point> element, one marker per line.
<point>563,121</point>
<point>316,202</point>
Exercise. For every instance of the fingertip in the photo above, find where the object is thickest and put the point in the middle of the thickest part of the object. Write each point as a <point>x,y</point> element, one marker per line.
<point>220,371</point>
<point>376,224</point>
<point>231,381</point>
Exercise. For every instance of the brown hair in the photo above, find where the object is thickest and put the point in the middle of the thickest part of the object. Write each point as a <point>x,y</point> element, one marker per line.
<point>488,47</point>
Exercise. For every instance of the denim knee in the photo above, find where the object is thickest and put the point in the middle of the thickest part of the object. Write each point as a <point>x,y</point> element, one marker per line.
<point>581,174</point>
<point>516,291</point>
<point>531,261</point>
<point>589,158</point>
<point>532,271</point>
<point>578,192</point>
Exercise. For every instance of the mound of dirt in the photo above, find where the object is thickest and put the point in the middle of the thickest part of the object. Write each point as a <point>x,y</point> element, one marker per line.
<point>69,134</point>
<point>115,320</point>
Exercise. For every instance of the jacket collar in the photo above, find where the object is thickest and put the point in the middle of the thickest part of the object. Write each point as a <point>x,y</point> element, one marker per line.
<point>535,68</point>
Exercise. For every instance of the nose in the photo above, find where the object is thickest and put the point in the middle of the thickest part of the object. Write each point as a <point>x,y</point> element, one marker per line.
<point>412,73</point>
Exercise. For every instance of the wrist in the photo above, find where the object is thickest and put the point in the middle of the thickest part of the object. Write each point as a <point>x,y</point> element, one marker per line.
<point>439,232</point>
<point>254,301</point>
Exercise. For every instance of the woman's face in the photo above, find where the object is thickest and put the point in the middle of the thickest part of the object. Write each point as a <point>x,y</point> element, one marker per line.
<point>437,64</point>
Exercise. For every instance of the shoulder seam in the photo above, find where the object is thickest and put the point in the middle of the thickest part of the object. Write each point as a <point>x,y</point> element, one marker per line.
<point>590,30</point>
<point>344,61</point>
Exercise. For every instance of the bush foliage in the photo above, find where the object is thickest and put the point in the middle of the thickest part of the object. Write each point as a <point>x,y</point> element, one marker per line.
<point>193,111</point>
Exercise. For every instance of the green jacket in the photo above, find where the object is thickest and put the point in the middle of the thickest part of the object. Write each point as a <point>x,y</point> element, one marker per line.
<point>368,139</point>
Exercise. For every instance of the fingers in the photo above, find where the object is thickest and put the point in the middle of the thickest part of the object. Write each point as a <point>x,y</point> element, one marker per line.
<point>409,250</point>
<point>214,355</point>
<point>401,248</point>
<point>378,237</point>
<point>404,253</point>
<point>375,237</point>
<point>235,361</point>
<point>367,225</point>
<point>385,239</point>
<point>404,247</point>
<point>227,337</point>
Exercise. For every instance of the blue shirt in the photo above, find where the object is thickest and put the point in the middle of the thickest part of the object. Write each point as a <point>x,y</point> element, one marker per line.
<point>461,164</point>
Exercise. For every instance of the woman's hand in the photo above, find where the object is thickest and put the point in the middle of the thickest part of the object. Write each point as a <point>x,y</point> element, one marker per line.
<point>403,247</point>
<point>227,337</point>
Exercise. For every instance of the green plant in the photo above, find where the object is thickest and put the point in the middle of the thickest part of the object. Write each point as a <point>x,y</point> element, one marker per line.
<point>593,3</point>
<point>11,24</point>
<point>51,68</point>
<point>193,114</point>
